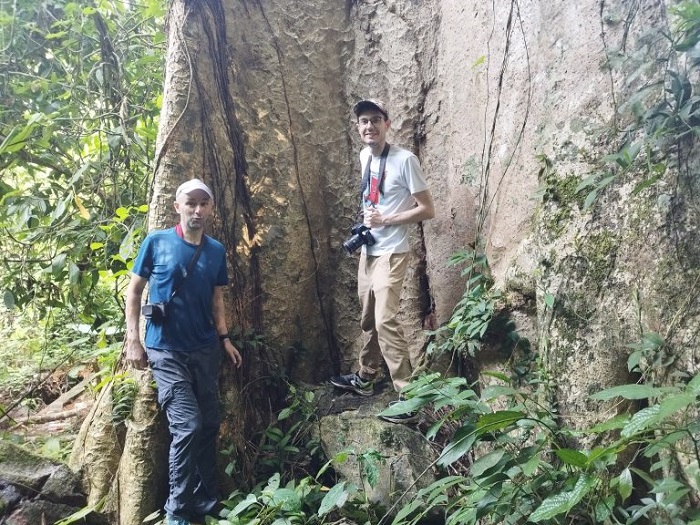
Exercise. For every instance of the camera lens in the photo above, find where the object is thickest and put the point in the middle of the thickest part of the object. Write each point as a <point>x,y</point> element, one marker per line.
<point>353,243</point>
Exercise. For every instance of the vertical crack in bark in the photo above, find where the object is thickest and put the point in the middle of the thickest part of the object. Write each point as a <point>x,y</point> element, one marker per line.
<point>606,51</point>
<point>629,18</point>
<point>426,299</point>
<point>330,337</point>
<point>487,152</point>
<point>216,109</point>
<point>222,186</point>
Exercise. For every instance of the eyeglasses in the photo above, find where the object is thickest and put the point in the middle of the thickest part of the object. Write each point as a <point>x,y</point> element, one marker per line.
<point>374,120</point>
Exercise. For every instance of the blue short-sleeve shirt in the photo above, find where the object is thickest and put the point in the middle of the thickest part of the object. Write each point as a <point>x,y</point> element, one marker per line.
<point>163,259</point>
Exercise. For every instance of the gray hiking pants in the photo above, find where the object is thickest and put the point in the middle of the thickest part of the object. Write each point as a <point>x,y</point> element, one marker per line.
<point>188,393</point>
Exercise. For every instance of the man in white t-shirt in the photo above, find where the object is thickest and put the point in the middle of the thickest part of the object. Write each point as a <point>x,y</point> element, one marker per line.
<point>394,195</point>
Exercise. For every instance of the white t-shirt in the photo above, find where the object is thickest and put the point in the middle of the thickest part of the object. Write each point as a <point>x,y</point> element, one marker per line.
<point>403,178</point>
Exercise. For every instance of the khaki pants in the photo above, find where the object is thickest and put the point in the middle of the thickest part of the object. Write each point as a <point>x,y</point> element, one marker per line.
<point>379,282</point>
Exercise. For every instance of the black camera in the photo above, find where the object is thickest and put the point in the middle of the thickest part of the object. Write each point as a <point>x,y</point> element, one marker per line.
<point>154,311</point>
<point>360,236</point>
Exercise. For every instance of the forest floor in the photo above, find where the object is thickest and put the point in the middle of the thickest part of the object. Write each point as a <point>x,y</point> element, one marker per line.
<point>47,417</point>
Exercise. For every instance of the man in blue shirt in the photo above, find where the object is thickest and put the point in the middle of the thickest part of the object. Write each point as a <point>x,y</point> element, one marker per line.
<point>186,272</point>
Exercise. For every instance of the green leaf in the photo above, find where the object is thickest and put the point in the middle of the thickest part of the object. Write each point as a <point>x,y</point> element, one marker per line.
<point>242,506</point>
<point>583,486</point>
<point>641,421</point>
<point>644,475</point>
<point>646,183</point>
<point>615,423</point>
<point>406,510</point>
<point>540,192</point>
<point>590,199</point>
<point>274,433</point>
<point>55,36</point>
<point>633,361</point>
<point>627,392</point>
<point>51,447</point>
<point>694,385</point>
<point>465,438</point>
<point>76,516</point>
<point>651,341</point>
<point>498,375</point>
<point>494,391</point>
<point>8,299</point>
<point>58,264</point>
<point>286,499</point>
<point>632,151</point>
<point>572,457</point>
<point>673,404</point>
<point>498,420</point>
<point>334,498</point>
<point>479,61</point>
<point>152,516</point>
<point>73,273</point>
<point>625,484</point>
<point>14,142</point>
<point>127,249</point>
<point>587,182</point>
<point>551,507</point>
<point>342,457</point>
<point>549,300</point>
<point>404,407</point>
<point>486,462</point>
<point>604,182</point>
<point>154,9</point>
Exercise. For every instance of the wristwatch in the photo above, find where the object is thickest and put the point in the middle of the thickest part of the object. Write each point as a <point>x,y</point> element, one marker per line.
<point>223,337</point>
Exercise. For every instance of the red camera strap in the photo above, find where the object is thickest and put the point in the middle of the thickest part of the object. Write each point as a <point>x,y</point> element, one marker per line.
<point>375,185</point>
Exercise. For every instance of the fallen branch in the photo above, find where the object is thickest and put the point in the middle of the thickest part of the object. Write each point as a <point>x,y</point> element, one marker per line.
<point>52,416</point>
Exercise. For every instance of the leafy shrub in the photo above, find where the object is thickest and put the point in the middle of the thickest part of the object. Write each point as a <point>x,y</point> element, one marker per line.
<point>530,473</point>
<point>479,314</point>
<point>665,113</point>
<point>302,502</point>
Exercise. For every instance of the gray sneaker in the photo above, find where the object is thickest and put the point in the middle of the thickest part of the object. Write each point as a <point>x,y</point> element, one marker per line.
<point>405,418</point>
<point>354,383</point>
<point>171,519</point>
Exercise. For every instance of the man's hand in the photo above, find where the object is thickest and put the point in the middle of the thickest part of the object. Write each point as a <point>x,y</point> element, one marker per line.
<point>373,219</point>
<point>136,355</point>
<point>423,210</point>
<point>233,353</point>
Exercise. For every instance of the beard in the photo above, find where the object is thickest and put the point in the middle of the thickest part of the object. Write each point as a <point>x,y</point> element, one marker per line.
<point>195,224</point>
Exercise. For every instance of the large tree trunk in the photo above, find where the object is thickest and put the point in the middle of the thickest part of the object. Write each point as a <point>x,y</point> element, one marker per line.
<point>257,102</point>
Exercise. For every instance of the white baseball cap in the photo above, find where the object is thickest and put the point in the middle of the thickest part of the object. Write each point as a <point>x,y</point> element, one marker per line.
<point>192,185</point>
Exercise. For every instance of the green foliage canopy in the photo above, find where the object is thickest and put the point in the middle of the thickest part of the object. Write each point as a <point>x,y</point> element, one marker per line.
<point>80,84</point>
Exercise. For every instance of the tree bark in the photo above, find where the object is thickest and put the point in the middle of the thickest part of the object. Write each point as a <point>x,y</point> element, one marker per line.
<point>501,103</point>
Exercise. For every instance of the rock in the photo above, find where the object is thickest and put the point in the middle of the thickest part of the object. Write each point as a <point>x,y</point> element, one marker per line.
<point>35,490</point>
<point>9,496</point>
<point>351,424</point>
<point>39,512</point>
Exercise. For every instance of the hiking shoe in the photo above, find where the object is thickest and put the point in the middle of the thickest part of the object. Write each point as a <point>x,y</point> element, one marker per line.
<point>405,418</point>
<point>354,383</point>
<point>170,519</point>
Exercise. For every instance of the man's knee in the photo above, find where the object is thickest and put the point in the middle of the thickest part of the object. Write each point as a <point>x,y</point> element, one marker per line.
<point>181,408</point>
<point>387,323</point>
